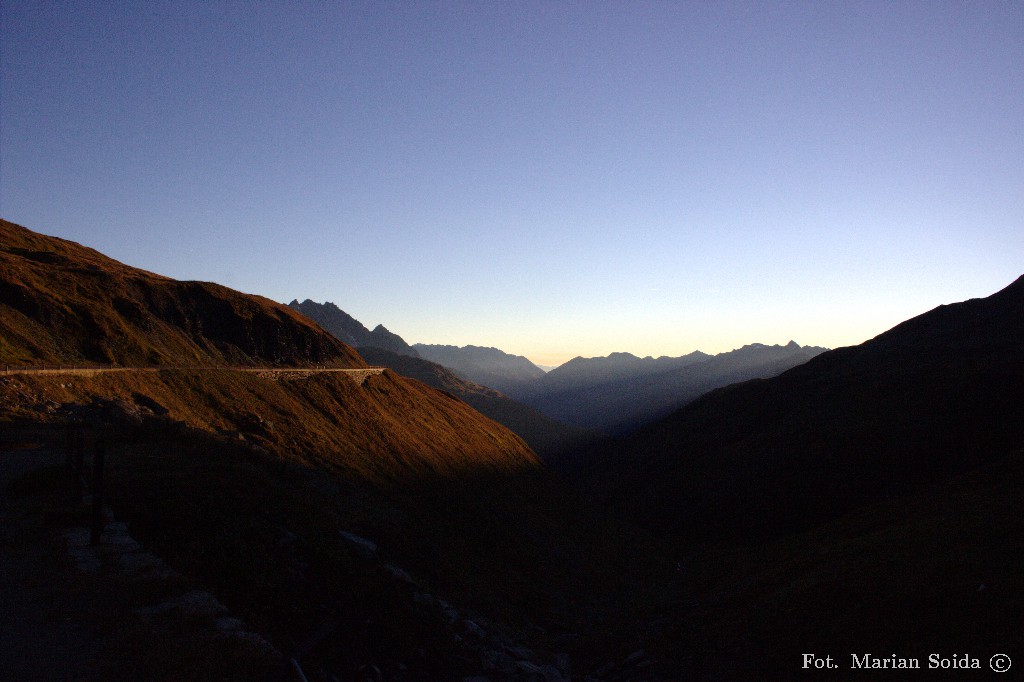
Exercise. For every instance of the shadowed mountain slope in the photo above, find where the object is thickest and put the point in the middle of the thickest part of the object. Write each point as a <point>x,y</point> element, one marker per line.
<point>350,330</point>
<point>62,303</point>
<point>485,366</point>
<point>934,396</point>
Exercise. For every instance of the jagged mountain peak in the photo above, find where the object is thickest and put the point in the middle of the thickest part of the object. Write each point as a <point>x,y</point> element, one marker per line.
<point>350,330</point>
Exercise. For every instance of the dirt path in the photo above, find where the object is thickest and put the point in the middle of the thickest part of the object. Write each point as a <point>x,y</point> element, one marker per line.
<point>37,641</point>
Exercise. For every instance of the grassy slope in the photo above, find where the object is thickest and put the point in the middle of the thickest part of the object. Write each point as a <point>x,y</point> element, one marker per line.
<point>389,427</point>
<point>547,437</point>
<point>62,303</point>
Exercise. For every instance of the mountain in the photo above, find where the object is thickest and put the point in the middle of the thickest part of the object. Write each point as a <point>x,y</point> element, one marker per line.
<point>363,523</point>
<point>582,372</point>
<point>935,396</point>
<point>333,319</point>
<point>63,303</point>
<point>867,501</point>
<point>545,436</point>
<point>619,393</point>
<point>351,331</point>
<point>66,304</point>
<point>485,366</point>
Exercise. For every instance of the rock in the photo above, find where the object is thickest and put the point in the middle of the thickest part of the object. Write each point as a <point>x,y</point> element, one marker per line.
<point>498,661</point>
<point>228,624</point>
<point>563,663</point>
<point>144,564</point>
<point>363,547</point>
<point>450,613</point>
<point>521,652</point>
<point>471,629</point>
<point>286,538</point>
<point>551,674</point>
<point>398,574</point>
<point>528,668</point>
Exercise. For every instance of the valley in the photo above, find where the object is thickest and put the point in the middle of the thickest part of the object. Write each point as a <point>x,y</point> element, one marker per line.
<point>376,515</point>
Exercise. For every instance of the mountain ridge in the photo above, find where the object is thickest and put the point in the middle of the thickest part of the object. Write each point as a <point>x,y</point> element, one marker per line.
<point>484,365</point>
<point>621,392</point>
<point>935,395</point>
<point>350,330</point>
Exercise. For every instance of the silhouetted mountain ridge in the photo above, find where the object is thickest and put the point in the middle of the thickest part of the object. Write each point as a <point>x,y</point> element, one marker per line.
<point>936,395</point>
<point>621,392</point>
<point>348,329</point>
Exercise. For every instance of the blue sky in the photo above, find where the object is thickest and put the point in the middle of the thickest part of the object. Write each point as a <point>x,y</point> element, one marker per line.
<point>553,179</point>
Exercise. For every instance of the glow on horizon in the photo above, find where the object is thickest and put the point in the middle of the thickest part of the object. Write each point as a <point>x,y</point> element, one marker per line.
<point>551,179</point>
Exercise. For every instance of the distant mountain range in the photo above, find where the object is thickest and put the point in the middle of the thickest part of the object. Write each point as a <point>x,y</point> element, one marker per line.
<point>618,393</point>
<point>510,374</point>
<point>936,395</point>
<point>612,395</point>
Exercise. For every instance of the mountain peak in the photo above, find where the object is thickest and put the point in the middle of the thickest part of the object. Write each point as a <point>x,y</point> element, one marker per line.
<point>350,330</point>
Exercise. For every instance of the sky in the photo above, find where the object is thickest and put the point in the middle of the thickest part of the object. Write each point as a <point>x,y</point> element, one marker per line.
<point>555,179</point>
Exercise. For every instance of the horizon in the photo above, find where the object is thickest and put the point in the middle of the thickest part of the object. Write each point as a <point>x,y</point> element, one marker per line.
<point>552,180</point>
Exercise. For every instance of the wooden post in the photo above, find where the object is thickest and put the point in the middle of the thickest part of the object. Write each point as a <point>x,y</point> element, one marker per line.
<point>97,494</point>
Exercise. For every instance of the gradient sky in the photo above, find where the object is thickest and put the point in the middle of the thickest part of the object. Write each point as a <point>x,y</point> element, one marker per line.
<point>553,179</point>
